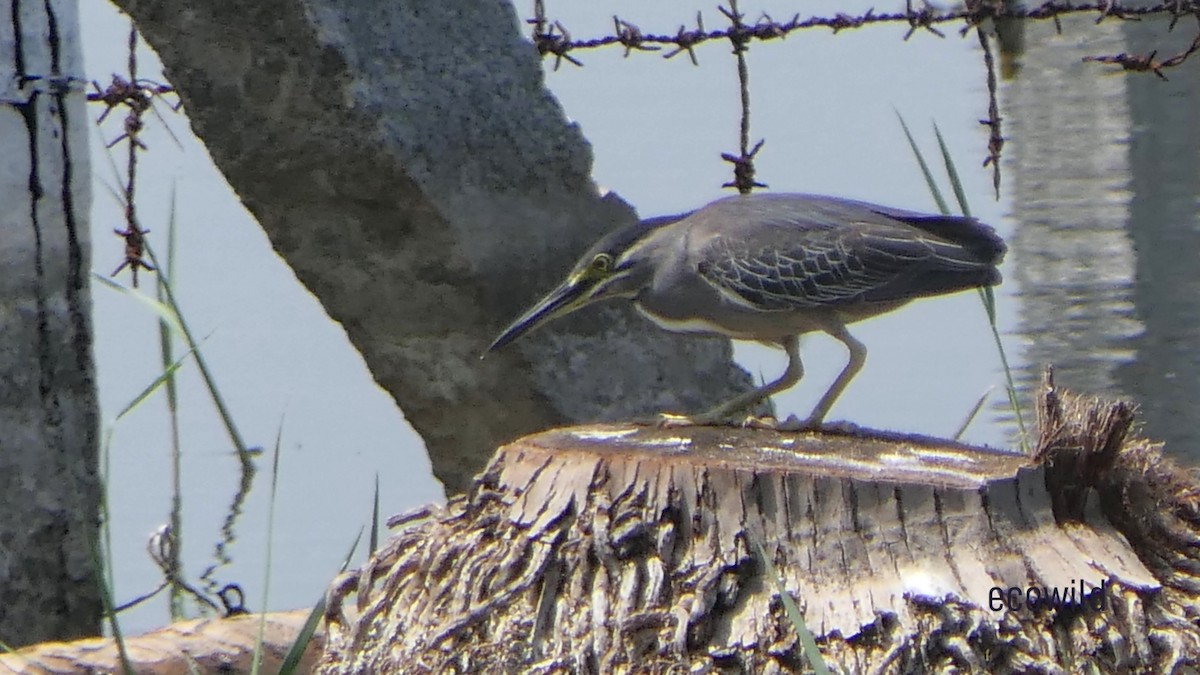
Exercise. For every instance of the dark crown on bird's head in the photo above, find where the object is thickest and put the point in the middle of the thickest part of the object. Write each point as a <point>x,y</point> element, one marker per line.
<point>618,241</point>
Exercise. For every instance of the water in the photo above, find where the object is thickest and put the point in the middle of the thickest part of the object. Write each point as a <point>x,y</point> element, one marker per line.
<point>1107,231</point>
<point>1099,208</point>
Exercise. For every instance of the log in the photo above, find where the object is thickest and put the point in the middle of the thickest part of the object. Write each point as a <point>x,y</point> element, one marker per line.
<point>625,548</point>
<point>218,646</point>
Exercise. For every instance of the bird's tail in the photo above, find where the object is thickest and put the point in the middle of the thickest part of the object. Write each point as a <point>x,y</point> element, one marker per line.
<point>978,243</point>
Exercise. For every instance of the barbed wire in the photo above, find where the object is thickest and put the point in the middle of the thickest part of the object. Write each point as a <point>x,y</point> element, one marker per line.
<point>551,38</point>
<point>137,95</point>
<point>743,163</point>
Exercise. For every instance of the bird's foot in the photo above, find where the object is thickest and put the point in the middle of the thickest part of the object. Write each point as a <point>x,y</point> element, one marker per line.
<point>795,424</point>
<point>842,428</point>
<point>673,421</point>
<point>676,421</point>
<point>765,422</point>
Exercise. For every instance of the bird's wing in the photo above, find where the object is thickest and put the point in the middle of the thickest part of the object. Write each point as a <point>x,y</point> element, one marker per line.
<point>789,266</point>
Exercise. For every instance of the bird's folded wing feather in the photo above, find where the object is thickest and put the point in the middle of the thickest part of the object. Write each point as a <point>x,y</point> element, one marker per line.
<point>785,267</point>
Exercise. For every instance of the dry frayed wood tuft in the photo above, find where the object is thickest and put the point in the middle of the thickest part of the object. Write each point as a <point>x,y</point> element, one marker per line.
<point>1152,501</point>
<point>609,549</point>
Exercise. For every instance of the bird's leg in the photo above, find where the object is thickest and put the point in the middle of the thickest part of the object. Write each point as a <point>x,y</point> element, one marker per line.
<point>725,411</point>
<point>858,356</point>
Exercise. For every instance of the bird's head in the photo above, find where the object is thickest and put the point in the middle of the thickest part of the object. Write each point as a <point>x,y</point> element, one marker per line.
<point>614,267</point>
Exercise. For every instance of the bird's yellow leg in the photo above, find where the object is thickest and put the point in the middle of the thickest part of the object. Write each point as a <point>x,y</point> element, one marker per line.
<point>727,411</point>
<point>858,356</point>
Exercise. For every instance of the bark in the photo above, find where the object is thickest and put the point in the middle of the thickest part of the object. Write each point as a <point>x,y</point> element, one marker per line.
<point>49,492</point>
<point>405,159</point>
<point>204,646</point>
<point>631,549</point>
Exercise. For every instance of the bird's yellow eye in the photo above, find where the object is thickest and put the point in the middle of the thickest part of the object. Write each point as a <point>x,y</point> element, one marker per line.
<point>602,263</point>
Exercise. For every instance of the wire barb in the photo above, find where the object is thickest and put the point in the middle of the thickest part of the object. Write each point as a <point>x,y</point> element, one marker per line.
<point>139,96</point>
<point>631,36</point>
<point>1148,63</point>
<point>995,138</point>
<point>743,163</point>
<point>685,40</point>
<point>550,37</point>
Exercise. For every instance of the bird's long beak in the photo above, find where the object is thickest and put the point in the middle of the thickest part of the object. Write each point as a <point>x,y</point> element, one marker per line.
<point>566,298</point>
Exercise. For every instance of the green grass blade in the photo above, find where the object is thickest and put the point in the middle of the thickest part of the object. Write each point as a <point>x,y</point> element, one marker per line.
<point>952,173</point>
<point>209,382</point>
<point>168,273</point>
<point>989,303</point>
<point>807,642</point>
<point>296,651</point>
<point>106,603</point>
<point>962,429</point>
<point>291,660</point>
<point>262,616</point>
<point>1011,386</point>
<point>164,377</point>
<point>175,317</point>
<point>105,530</point>
<point>986,295</point>
<point>166,315</point>
<point>374,539</point>
<point>166,344</point>
<point>933,188</point>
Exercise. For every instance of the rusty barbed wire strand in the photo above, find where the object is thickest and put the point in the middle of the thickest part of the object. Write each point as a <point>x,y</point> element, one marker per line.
<point>1147,63</point>
<point>138,95</point>
<point>551,37</point>
<point>995,137</point>
<point>743,163</point>
<point>133,234</point>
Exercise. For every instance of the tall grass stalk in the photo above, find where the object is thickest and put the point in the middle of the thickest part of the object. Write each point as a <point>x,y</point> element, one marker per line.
<point>974,412</point>
<point>373,542</point>
<point>106,603</point>
<point>296,652</point>
<point>166,293</point>
<point>808,643</point>
<point>218,400</point>
<point>166,343</point>
<point>986,296</point>
<point>262,617</point>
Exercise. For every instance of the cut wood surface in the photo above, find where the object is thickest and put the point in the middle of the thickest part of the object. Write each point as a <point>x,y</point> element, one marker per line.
<point>216,646</point>
<point>615,548</point>
<point>856,525</point>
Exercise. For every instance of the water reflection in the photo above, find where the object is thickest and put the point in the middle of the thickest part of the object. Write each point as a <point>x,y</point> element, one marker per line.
<point>1104,170</point>
<point>1164,225</point>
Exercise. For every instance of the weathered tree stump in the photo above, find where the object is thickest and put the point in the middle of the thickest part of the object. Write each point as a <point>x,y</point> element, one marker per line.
<point>633,549</point>
<point>223,646</point>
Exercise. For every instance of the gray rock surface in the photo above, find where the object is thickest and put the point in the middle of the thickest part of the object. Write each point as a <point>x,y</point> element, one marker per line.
<point>408,163</point>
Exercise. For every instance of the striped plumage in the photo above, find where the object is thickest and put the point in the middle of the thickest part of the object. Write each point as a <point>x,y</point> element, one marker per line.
<point>808,251</point>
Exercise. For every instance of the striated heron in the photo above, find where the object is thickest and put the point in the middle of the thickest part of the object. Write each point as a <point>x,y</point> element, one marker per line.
<point>771,267</point>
